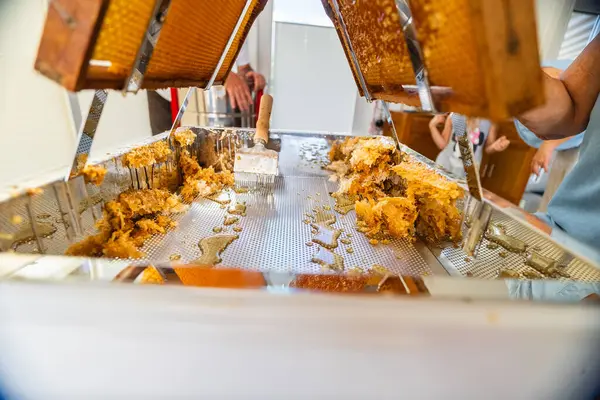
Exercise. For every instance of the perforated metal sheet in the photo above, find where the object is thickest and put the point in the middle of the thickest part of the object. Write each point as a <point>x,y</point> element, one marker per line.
<point>490,260</point>
<point>274,236</point>
<point>274,233</point>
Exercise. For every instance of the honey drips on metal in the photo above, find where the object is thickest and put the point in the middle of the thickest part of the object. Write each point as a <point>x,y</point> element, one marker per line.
<point>529,274</point>
<point>324,218</point>
<point>89,202</point>
<point>545,265</point>
<point>237,209</point>
<point>222,198</point>
<point>325,234</point>
<point>496,234</point>
<point>241,189</point>
<point>27,235</point>
<point>230,220</point>
<point>212,247</point>
<point>343,203</point>
<point>329,260</point>
<point>508,273</point>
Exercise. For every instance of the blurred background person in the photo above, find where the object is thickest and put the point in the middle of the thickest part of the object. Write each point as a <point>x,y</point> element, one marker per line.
<point>482,136</point>
<point>573,106</point>
<point>555,157</point>
<point>241,83</point>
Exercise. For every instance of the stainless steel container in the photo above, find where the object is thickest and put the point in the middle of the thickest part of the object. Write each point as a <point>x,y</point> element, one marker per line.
<point>215,110</point>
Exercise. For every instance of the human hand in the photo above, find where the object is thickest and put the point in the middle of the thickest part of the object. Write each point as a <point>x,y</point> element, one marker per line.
<point>259,80</point>
<point>499,145</point>
<point>238,91</point>
<point>542,157</point>
<point>438,119</point>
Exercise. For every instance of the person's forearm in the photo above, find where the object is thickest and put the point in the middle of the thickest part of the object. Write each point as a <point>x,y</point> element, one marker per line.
<point>558,142</point>
<point>437,137</point>
<point>570,99</point>
<point>558,117</point>
<point>553,144</point>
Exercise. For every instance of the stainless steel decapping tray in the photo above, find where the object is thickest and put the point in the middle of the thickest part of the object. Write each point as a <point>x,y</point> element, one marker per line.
<point>274,233</point>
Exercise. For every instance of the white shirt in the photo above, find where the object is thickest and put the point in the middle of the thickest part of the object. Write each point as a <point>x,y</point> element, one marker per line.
<point>243,56</point>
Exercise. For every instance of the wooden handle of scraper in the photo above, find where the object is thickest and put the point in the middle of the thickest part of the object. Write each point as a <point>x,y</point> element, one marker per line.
<point>264,116</point>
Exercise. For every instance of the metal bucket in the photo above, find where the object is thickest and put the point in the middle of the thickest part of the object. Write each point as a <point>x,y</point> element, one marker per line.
<point>216,110</point>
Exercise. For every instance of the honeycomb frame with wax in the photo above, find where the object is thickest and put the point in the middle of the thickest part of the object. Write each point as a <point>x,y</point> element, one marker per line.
<point>191,43</point>
<point>481,55</point>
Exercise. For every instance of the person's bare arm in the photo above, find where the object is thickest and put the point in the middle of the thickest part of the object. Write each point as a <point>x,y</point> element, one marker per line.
<point>440,138</point>
<point>570,99</point>
<point>543,156</point>
<point>493,144</point>
<point>238,91</point>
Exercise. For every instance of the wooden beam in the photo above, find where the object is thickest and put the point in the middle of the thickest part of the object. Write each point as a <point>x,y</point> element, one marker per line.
<point>67,41</point>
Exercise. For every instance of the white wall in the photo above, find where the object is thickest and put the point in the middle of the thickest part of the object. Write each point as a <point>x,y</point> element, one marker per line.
<point>37,132</point>
<point>363,114</point>
<point>307,12</point>
<point>552,20</point>
<point>36,135</point>
<point>125,120</point>
<point>312,83</point>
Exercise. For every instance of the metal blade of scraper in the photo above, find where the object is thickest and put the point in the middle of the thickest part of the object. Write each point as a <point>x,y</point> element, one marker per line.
<point>476,216</point>
<point>259,164</point>
<point>477,213</point>
<point>85,136</point>
<point>459,129</point>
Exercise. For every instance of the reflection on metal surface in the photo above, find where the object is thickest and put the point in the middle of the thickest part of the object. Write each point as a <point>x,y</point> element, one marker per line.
<point>439,287</point>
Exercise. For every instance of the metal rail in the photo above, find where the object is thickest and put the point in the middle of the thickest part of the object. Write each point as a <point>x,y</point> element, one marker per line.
<point>416,55</point>
<point>142,60</point>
